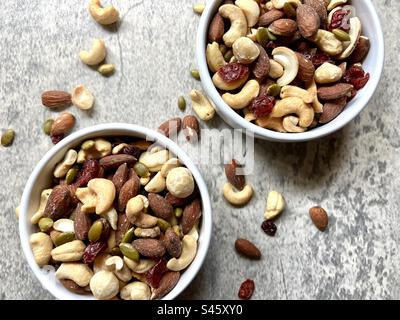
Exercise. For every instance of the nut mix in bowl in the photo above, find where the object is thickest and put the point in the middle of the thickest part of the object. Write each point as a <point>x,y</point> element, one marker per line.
<point>287,65</point>
<point>120,221</point>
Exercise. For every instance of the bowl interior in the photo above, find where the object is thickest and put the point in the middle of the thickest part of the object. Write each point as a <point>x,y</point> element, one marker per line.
<point>41,179</point>
<point>372,64</point>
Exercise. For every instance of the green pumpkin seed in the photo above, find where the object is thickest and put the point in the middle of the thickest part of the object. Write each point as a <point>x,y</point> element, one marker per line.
<point>128,237</point>
<point>141,170</point>
<point>45,224</point>
<point>162,224</point>
<point>274,90</point>
<point>195,74</point>
<point>71,175</point>
<point>95,231</point>
<point>262,36</point>
<point>106,69</point>
<point>178,212</point>
<point>8,138</point>
<point>129,251</point>
<point>223,48</point>
<point>228,55</point>
<point>87,145</point>
<point>47,126</point>
<point>64,238</point>
<point>116,252</point>
<point>271,36</point>
<point>181,103</point>
<point>341,35</point>
<point>290,12</point>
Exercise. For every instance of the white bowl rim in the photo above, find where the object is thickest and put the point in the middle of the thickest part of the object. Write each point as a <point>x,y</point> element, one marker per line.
<point>102,129</point>
<point>238,121</point>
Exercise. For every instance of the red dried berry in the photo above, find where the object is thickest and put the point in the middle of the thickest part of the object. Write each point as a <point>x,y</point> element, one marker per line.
<point>246,289</point>
<point>269,228</point>
<point>92,251</point>
<point>154,275</point>
<point>233,72</point>
<point>319,59</point>
<point>340,20</point>
<point>356,76</point>
<point>262,106</point>
<point>89,171</point>
<point>57,138</point>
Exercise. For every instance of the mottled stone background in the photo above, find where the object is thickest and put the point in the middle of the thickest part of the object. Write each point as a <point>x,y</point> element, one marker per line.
<point>353,174</point>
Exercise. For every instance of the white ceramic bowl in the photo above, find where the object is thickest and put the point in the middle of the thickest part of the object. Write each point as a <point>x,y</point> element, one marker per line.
<point>372,64</point>
<point>41,179</point>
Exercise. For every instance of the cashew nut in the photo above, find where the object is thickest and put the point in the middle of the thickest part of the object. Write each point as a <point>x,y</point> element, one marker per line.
<point>100,262</point>
<point>104,16</point>
<point>275,205</point>
<point>67,163</point>
<point>82,98</point>
<point>145,180</point>
<point>288,59</point>
<point>327,73</point>
<point>334,3</point>
<point>243,98</point>
<point>155,160</point>
<point>238,23</point>
<point>147,233</point>
<point>112,217</point>
<point>117,265</point>
<point>136,291</point>
<point>180,182</point>
<point>248,115</point>
<point>96,54</point>
<point>202,106</point>
<point>252,35</point>
<point>294,105</point>
<point>245,50</point>
<point>69,252</point>
<point>221,84</point>
<point>64,225</point>
<point>105,194</point>
<point>104,285</point>
<point>312,88</point>
<point>189,249</point>
<point>195,231</point>
<point>88,199</point>
<point>250,9</point>
<point>142,266</point>
<point>100,149</point>
<point>145,221</point>
<point>237,198</point>
<point>215,59</point>
<point>290,123</point>
<point>157,184</point>
<point>117,149</point>
<point>271,123</point>
<point>169,165</point>
<point>41,246</point>
<point>355,32</point>
<point>276,70</point>
<point>327,42</point>
<point>293,91</point>
<point>279,4</point>
<point>43,202</point>
<point>80,273</point>
<point>134,208</point>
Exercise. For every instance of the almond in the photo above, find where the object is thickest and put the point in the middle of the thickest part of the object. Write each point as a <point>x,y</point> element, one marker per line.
<point>123,225</point>
<point>361,50</point>
<point>320,8</point>
<point>161,207</point>
<point>283,27</point>
<point>56,99</point>
<point>238,181</point>
<point>308,20</point>
<point>115,160</point>
<point>60,203</point>
<point>191,128</point>
<point>82,224</point>
<point>171,127</point>
<point>63,124</point>
<point>319,217</point>
<point>248,249</point>
<point>172,243</point>
<point>177,202</point>
<point>70,285</point>
<point>129,190</point>
<point>167,283</point>
<point>120,177</point>
<point>216,29</point>
<point>262,66</point>
<point>332,109</point>
<point>191,214</point>
<point>335,91</point>
<point>149,248</point>
<point>306,68</point>
<point>267,18</point>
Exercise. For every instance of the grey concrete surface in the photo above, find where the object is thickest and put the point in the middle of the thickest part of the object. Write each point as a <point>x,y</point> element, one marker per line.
<point>354,173</point>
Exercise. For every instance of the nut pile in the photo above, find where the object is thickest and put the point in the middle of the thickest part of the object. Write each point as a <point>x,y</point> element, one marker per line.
<point>121,220</point>
<point>287,65</point>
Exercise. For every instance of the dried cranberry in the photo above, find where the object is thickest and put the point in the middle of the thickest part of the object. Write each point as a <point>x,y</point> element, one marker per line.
<point>262,106</point>
<point>246,289</point>
<point>132,151</point>
<point>233,72</point>
<point>356,76</point>
<point>269,228</point>
<point>57,138</point>
<point>92,251</point>
<point>154,275</point>
<point>319,59</point>
<point>340,20</point>
<point>89,171</point>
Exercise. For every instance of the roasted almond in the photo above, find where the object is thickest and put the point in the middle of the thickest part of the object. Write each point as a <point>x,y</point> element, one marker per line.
<point>120,177</point>
<point>319,217</point>
<point>128,191</point>
<point>335,91</point>
<point>123,225</point>
<point>177,202</point>
<point>63,124</point>
<point>248,249</point>
<point>56,99</point>
<point>167,283</point>
<point>216,29</point>
<point>270,16</point>
<point>82,223</point>
<point>70,285</point>
<point>262,65</point>
<point>191,214</point>
<point>171,127</point>
<point>161,207</point>
<point>191,128</point>
<point>332,109</point>
<point>115,160</point>
<point>149,248</point>
<point>235,179</point>
<point>172,243</point>
<point>283,27</point>
<point>308,20</point>
<point>60,203</point>
<point>320,8</point>
<point>306,68</point>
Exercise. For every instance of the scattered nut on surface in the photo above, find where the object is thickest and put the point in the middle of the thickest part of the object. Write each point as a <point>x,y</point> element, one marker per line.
<point>319,217</point>
<point>82,98</point>
<point>104,16</point>
<point>96,55</point>
<point>275,205</point>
